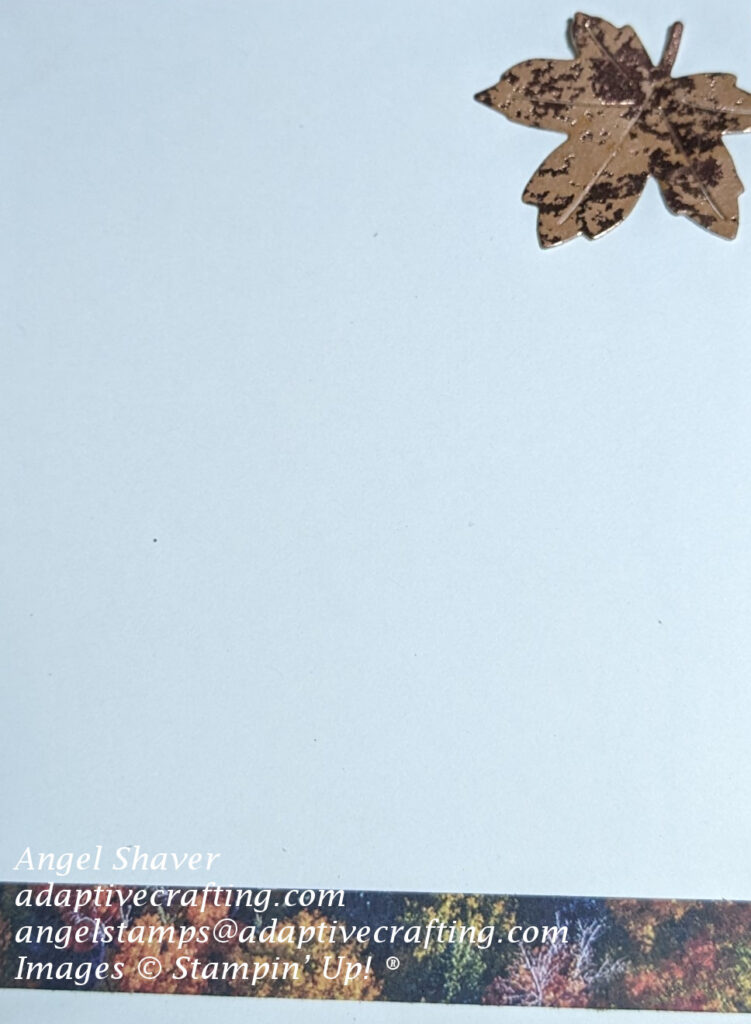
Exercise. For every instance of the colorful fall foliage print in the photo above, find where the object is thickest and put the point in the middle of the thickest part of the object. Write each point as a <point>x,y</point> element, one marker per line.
<point>625,119</point>
<point>602,953</point>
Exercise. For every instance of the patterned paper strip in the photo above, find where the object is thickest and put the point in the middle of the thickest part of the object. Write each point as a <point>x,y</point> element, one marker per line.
<point>395,947</point>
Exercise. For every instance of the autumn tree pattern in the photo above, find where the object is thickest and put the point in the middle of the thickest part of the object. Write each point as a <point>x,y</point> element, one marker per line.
<point>587,953</point>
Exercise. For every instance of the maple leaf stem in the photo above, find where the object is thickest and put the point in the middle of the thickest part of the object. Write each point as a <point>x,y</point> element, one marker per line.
<point>671,48</point>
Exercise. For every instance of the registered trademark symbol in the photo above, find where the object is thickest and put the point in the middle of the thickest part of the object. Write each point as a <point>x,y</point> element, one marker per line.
<point>393,963</point>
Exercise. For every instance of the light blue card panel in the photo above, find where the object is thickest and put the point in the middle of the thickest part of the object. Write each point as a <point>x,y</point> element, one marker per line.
<point>344,531</point>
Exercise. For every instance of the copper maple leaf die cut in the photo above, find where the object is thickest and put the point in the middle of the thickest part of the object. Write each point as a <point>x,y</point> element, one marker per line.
<point>625,119</point>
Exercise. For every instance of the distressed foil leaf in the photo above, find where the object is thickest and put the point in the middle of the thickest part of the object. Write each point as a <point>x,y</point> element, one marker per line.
<point>625,119</point>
